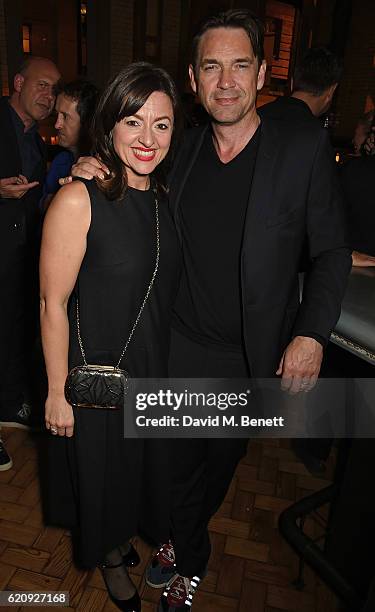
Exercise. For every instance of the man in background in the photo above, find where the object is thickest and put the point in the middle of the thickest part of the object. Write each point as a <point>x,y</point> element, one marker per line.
<point>22,172</point>
<point>75,106</point>
<point>316,78</point>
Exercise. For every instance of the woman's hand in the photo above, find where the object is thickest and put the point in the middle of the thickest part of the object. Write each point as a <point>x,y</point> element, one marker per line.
<point>59,415</point>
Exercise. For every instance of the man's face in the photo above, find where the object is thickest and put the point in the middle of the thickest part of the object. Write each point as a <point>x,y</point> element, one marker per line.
<point>68,123</point>
<point>227,75</point>
<point>36,89</point>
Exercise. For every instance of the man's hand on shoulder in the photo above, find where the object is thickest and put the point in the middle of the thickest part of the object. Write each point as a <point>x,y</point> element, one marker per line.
<point>14,187</point>
<point>87,168</point>
<point>300,364</point>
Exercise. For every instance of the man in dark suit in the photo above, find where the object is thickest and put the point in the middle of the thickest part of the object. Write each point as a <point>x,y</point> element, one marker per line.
<point>244,194</point>
<point>22,171</point>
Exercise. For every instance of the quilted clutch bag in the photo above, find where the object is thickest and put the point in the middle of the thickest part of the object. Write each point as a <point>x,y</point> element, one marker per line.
<point>96,386</point>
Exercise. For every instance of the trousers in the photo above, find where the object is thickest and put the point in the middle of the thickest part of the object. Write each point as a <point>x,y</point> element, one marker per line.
<point>202,467</point>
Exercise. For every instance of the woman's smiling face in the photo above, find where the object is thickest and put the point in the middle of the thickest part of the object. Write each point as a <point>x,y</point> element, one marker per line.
<point>142,140</point>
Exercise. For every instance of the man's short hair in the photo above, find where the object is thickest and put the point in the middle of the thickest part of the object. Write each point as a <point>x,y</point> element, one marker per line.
<point>85,94</point>
<point>234,18</point>
<point>318,70</point>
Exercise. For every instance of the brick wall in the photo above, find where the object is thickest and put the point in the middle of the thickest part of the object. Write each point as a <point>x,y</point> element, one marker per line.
<point>3,54</point>
<point>284,12</point>
<point>121,23</point>
<point>171,36</point>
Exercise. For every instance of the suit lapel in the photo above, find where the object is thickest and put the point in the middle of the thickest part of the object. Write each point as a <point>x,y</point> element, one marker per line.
<point>262,187</point>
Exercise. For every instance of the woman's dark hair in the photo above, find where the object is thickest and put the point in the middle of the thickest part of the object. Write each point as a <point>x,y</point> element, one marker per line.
<point>234,18</point>
<point>85,94</point>
<point>124,95</point>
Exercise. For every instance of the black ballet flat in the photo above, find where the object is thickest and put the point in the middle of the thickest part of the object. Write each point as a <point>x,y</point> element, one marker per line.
<point>126,605</point>
<point>132,558</point>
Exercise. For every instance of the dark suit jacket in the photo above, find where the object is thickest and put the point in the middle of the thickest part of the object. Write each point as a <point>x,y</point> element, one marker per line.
<point>18,218</point>
<point>289,109</point>
<point>294,192</point>
<point>295,111</point>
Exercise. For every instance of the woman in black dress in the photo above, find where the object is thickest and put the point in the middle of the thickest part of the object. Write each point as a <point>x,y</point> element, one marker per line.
<point>99,247</point>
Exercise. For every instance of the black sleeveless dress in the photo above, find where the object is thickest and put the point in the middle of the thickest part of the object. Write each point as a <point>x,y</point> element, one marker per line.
<point>109,487</point>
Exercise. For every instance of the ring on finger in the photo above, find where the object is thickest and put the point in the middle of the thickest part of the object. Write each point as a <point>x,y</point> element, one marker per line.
<point>53,431</point>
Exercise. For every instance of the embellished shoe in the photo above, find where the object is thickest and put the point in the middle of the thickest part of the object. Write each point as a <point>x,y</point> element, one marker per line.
<point>178,594</point>
<point>133,604</point>
<point>162,567</point>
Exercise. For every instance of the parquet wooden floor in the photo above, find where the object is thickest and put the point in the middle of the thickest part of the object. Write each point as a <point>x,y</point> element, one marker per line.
<point>251,567</point>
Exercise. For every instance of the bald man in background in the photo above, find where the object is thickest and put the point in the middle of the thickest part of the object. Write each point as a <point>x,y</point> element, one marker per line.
<point>22,171</point>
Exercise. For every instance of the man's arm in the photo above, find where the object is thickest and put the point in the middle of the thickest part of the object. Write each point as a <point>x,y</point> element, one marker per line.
<point>326,279</point>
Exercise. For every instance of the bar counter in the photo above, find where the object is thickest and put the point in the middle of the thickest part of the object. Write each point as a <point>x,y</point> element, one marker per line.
<point>355,330</point>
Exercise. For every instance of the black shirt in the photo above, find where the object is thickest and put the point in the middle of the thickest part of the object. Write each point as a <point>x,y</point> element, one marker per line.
<point>213,209</point>
<point>27,143</point>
